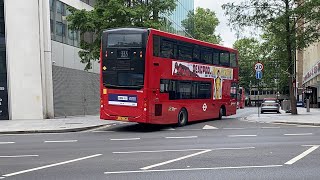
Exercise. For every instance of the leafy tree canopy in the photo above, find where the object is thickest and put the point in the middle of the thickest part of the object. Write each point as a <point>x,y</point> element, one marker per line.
<point>202,25</point>
<point>291,25</point>
<point>115,13</point>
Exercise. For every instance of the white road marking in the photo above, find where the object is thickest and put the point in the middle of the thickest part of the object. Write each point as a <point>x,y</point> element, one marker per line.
<point>302,134</point>
<point>308,126</point>
<point>182,137</point>
<point>50,165</point>
<point>245,135</point>
<point>193,169</point>
<point>297,158</point>
<point>280,123</point>
<point>2,177</point>
<point>168,129</point>
<point>174,160</point>
<point>7,142</point>
<point>233,128</point>
<point>126,139</point>
<point>35,134</point>
<point>209,127</point>
<point>62,141</point>
<point>181,150</point>
<point>309,145</point>
<point>270,127</point>
<point>17,156</point>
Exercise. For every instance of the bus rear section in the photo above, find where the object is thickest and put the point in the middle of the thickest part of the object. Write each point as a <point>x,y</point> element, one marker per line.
<point>122,75</point>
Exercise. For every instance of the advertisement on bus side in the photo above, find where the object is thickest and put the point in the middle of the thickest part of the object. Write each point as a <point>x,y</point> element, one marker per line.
<point>199,70</point>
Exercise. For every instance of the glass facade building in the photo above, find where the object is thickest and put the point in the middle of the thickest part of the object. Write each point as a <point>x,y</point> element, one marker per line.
<point>179,14</point>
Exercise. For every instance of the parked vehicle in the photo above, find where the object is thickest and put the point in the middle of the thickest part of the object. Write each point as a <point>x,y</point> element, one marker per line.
<point>270,105</point>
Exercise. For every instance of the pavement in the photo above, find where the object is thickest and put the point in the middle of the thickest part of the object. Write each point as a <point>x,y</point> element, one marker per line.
<point>72,124</point>
<point>303,117</point>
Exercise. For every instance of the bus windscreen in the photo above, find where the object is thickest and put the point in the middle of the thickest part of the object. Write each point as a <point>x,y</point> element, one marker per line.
<point>124,40</point>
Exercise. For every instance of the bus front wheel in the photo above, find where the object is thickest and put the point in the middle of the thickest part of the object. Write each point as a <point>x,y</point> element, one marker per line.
<point>182,117</point>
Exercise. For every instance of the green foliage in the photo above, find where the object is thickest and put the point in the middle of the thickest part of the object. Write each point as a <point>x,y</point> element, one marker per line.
<point>115,13</point>
<point>248,49</point>
<point>202,25</point>
<point>288,25</point>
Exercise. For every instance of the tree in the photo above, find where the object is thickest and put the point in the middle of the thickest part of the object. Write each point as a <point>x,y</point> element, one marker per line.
<point>202,25</point>
<point>251,51</point>
<point>115,13</point>
<point>293,23</point>
<point>248,49</point>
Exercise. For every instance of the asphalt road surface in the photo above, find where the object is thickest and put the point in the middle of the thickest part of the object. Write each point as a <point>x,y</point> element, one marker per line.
<point>221,149</point>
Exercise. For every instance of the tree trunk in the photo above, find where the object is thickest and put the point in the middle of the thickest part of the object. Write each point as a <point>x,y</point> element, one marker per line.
<point>290,62</point>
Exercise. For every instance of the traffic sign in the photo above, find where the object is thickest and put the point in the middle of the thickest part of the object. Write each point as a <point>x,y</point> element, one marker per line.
<point>258,66</point>
<point>258,74</point>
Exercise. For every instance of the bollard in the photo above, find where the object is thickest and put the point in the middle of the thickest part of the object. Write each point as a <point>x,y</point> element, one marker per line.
<point>308,105</point>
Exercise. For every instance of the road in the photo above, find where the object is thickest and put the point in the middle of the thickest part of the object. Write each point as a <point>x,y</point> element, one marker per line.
<point>222,149</point>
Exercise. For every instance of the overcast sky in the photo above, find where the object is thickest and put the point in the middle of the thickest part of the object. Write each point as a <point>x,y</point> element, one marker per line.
<point>223,29</point>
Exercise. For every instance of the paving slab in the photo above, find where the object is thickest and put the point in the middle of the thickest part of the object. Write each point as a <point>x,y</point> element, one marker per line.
<point>72,124</point>
<point>303,117</point>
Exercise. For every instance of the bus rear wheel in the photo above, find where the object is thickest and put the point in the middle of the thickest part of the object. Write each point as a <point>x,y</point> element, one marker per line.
<point>182,117</point>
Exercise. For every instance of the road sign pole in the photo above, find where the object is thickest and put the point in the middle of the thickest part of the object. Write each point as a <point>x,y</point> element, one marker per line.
<point>258,100</point>
<point>258,67</point>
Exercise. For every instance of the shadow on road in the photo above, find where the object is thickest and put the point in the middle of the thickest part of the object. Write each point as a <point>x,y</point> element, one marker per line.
<point>146,128</point>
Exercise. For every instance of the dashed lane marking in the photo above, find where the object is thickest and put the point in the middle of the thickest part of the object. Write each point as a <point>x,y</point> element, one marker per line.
<point>18,156</point>
<point>62,141</point>
<point>270,127</point>
<point>125,139</point>
<point>301,134</point>
<point>243,135</point>
<point>182,137</point>
<point>7,142</point>
<point>308,126</point>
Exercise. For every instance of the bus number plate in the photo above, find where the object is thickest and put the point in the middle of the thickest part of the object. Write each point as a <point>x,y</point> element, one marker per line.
<point>122,118</point>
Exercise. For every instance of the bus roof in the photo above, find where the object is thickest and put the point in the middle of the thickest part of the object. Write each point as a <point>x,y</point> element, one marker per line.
<point>171,35</point>
<point>191,40</point>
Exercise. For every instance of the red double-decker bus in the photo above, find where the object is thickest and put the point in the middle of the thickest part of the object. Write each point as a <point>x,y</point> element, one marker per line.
<point>154,77</point>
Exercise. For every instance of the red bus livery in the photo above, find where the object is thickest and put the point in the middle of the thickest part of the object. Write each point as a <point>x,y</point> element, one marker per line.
<point>155,77</point>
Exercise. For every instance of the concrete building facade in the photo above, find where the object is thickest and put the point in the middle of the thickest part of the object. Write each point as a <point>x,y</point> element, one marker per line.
<point>311,74</point>
<point>41,75</point>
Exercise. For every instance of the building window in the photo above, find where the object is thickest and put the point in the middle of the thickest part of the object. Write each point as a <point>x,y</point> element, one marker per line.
<point>60,29</point>
<point>60,8</point>
<point>58,25</point>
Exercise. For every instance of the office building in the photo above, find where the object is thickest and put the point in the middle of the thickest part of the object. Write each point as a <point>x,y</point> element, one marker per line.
<point>41,75</point>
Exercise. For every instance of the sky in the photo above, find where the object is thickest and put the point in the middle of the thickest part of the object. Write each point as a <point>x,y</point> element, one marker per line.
<point>228,36</point>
